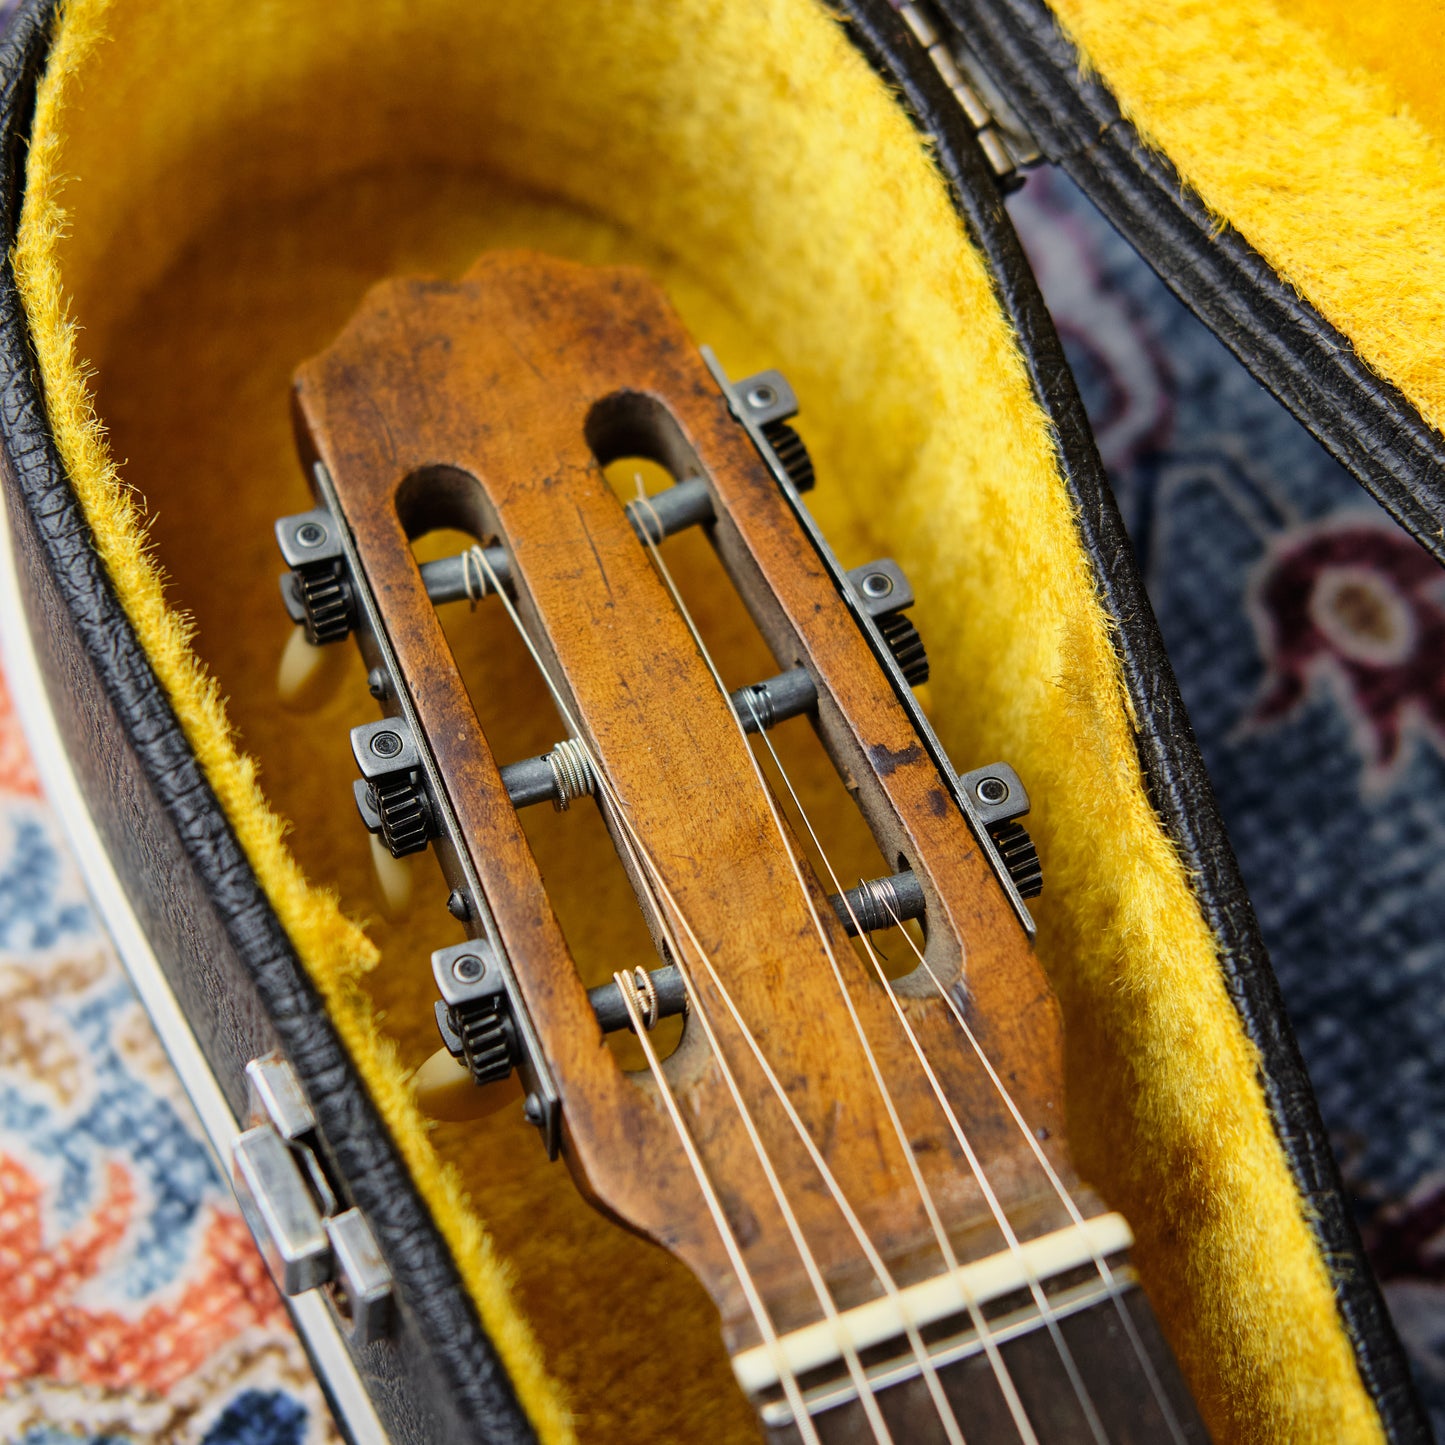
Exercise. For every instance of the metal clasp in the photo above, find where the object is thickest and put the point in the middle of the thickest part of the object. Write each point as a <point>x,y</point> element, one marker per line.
<point>292,1210</point>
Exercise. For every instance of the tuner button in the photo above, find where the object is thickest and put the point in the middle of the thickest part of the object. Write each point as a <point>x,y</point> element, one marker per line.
<point>906,646</point>
<point>445,1090</point>
<point>308,677</point>
<point>793,456</point>
<point>394,881</point>
<point>401,805</point>
<point>1020,857</point>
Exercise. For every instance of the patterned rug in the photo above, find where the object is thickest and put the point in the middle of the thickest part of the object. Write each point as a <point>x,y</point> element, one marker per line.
<point>1307,634</point>
<point>134,1309</point>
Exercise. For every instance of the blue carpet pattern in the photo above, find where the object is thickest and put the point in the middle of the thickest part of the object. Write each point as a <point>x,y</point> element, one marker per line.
<point>1308,635</point>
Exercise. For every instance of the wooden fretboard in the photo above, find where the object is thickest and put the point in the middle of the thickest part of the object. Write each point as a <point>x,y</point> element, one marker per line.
<point>1126,1401</point>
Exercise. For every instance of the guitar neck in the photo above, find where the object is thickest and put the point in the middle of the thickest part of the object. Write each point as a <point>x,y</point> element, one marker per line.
<point>1124,1370</point>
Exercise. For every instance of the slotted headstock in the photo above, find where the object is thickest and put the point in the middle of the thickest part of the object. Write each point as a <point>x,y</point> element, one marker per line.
<point>907,1133</point>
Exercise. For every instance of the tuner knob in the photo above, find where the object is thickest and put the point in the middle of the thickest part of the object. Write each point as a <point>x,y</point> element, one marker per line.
<point>906,646</point>
<point>308,677</point>
<point>395,883</point>
<point>791,453</point>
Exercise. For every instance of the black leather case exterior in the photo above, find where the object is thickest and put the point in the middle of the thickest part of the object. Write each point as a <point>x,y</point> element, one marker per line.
<point>240,982</point>
<point>1362,420</point>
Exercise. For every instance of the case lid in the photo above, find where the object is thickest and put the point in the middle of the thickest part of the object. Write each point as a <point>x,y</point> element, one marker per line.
<point>1282,171</point>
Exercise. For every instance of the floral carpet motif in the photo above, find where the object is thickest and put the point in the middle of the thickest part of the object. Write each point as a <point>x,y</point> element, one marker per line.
<point>134,1309</point>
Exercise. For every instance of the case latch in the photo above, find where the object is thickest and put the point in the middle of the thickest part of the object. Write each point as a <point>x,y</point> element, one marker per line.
<point>291,1209</point>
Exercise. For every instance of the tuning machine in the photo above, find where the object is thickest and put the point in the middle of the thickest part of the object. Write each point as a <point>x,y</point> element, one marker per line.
<point>765,403</point>
<point>999,800</point>
<point>770,404</point>
<point>885,594</point>
<point>319,599</point>
<point>392,799</point>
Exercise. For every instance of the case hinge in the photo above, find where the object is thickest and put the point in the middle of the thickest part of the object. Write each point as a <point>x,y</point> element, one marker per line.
<point>307,1240</point>
<point>1002,135</point>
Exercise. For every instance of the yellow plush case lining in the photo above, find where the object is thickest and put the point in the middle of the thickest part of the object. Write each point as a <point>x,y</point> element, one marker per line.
<point>211,188</point>
<point>1315,129</point>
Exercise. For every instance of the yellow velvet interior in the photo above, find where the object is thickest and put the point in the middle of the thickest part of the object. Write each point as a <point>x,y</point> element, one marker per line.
<point>1316,129</point>
<point>211,188</point>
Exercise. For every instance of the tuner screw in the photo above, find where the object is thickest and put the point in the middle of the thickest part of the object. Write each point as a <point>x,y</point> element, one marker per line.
<point>468,968</point>
<point>762,397</point>
<point>458,906</point>
<point>385,745</point>
<point>992,791</point>
<point>378,684</point>
<point>310,534</point>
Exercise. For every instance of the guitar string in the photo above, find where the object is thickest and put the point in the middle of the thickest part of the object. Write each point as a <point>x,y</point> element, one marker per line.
<point>763,1320</point>
<point>1106,1274</point>
<point>875,1260</point>
<point>981,1327</point>
<point>884,1276</point>
<point>637,850</point>
<point>1036,1290</point>
<point>861,1383</point>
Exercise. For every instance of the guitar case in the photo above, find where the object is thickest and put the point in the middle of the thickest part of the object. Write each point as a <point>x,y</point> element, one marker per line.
<point>195,197</point>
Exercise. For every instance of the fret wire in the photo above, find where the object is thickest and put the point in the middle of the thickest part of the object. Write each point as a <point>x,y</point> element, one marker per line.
<point>1106,1273</point>
<point>1015,1325</point>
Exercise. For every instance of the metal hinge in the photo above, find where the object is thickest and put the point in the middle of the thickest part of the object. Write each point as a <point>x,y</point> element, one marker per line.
<point>1002,135</point>
<point>308,1242</point>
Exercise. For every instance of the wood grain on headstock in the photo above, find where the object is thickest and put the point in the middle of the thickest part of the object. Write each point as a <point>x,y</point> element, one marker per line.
<point>486,404</point>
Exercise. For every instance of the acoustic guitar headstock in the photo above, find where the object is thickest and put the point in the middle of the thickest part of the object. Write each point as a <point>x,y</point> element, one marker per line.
<point>862,1169</point>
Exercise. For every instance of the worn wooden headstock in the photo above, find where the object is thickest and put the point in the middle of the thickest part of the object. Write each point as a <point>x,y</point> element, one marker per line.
<point>859,1170</point>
